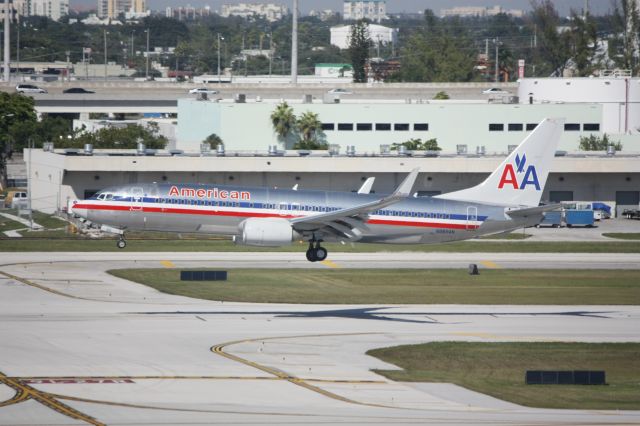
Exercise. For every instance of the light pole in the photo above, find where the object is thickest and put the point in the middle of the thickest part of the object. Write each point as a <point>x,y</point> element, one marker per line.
<point>497,43</point>
<point>7,42</point>
<point>270,52</point>
<point>105,54</point>
<point>219,38</point>
<point>132,33</point>
<point>146,74</point>
<point>294,44</point>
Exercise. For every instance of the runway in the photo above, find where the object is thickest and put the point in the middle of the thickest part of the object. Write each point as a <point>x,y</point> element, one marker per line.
<point>80,346</point>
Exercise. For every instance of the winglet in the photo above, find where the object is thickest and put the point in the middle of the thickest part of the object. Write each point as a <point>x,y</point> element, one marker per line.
<point>404,190</point>
<point>366,186</point>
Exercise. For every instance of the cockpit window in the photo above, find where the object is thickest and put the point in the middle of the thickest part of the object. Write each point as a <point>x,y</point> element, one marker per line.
<point>105,196</point>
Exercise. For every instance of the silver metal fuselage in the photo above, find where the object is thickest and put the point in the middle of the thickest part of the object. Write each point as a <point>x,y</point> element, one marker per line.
<point>220,209</point>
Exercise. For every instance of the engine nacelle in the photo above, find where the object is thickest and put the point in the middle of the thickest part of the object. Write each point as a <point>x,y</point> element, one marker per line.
<point>266,232</point>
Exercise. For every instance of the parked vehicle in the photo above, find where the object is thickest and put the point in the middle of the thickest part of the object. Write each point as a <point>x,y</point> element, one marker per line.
<point>495,91</point>
<point>631,214</point>
<point>574,217</point>
<point>77,90</point>
<point>29,88</point>
<point>203,90</point>
<point>16,199</point>
<point>552,219</point>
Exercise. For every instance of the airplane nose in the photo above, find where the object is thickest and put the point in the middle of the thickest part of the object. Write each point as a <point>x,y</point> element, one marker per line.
<point>75,207</point>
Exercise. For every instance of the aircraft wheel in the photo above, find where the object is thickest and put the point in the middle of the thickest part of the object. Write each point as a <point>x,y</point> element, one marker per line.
<point>321,253</point>
<point>311,255</point>
<point>121,244</point>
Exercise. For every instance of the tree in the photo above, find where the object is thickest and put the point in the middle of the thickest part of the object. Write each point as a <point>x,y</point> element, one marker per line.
<point>359,44</point>
<point>441,96</point>
<point>439,51</point>
<point>624,45</point>
<point>213,140</point>
<point>283,120</point>
<point>553,50</point>
<point>309,125</point>
<point>595,143</point>
<point>583,43</point>
<point>15,109</point>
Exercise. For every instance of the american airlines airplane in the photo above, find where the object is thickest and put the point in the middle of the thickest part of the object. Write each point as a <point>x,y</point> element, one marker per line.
<point>508,199</point>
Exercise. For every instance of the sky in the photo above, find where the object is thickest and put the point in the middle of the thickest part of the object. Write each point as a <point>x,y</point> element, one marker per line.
<point>563,6</point>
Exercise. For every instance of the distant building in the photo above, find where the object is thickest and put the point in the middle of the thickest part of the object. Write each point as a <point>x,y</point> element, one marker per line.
<point>269,11</point>
<point>334,70</point>
<point>187,13</point>
<point>480,11</point>
<point>374,10</point>
<point>323,14</point>
<point>377,33</point>
<point>113,8</point>
<point>52,9</point>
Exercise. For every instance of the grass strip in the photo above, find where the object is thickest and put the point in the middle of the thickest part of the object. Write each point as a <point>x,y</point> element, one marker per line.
<point>498,369</point>
<point>403,286</point>
<point>623,235</point>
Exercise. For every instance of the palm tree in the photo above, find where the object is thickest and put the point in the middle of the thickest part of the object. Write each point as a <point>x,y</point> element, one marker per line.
<point>283,120</point>
<point>308,124</point>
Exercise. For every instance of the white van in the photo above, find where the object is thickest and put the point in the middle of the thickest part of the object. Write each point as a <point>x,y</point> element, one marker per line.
<point>19,200</point>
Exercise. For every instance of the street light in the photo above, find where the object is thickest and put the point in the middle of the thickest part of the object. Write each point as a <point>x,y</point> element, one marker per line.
<point>146,74</point>
<point>105,54</point>
<point>219,38</point>
<point>132,33</point>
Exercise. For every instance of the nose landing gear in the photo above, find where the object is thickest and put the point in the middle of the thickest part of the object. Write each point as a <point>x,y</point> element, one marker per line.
<point>316,253</point>
<point>122,243</point>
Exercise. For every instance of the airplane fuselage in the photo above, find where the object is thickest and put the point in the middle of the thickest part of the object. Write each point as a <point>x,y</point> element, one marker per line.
<point>220,209</point>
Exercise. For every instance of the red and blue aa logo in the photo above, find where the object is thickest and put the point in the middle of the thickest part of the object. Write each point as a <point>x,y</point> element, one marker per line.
<point>509,176</point>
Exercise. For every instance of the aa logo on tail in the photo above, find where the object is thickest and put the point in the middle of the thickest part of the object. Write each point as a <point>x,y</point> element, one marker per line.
<point>510,178</point>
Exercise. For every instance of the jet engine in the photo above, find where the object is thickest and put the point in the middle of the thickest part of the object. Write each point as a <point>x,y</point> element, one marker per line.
<point>265,232</point>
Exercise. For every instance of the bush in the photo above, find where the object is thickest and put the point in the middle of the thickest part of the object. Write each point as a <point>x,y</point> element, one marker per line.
<point>417,145</point>
<point>597,143</point>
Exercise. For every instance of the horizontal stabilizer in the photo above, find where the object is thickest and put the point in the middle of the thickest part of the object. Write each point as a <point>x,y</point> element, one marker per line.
<point>366,186</point>
<point>533,211</point>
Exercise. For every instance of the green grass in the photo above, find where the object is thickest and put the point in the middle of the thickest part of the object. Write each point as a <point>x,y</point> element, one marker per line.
<point>389,286</point>
<point>623,235</point>
<point>9,225</point>
<point>498,369</point>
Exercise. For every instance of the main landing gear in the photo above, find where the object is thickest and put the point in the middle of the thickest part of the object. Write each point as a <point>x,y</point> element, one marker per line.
<point>122,243</point>
<point>316,253</point>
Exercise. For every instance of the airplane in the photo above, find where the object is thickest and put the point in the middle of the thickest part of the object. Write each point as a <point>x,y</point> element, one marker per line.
<point>270,217</point>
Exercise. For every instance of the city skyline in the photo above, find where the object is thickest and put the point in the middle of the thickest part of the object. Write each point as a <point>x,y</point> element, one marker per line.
<point>393,6</point>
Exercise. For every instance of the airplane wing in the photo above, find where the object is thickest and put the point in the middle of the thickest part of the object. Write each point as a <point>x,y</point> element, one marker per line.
<point>350,222</point>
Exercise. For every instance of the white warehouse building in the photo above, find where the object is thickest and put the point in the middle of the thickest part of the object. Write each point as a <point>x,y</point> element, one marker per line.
<point>341,35</point>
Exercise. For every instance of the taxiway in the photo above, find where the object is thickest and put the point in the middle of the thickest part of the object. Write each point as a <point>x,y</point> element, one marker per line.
<point>80,346</point>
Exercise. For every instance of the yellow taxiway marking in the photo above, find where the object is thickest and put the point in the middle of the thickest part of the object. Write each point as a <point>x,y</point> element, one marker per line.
<point>219,349</point>
<point>25,392</point>
<point>330,264</point>
<point>167,264</point>
<point>41,287</point>
<point>490,264</point>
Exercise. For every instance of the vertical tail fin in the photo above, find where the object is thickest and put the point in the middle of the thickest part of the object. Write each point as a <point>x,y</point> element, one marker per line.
<point>520,179</point>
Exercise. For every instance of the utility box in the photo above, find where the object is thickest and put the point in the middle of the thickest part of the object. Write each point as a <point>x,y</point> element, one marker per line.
<point>552,219</point>
<point>578,218</point>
